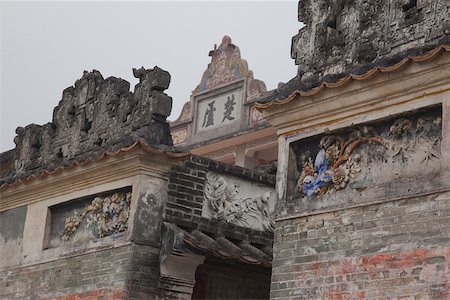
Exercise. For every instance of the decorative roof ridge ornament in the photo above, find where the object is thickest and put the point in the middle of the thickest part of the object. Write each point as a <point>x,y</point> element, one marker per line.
<point>227,66</point>
<point>163,150</point>
<point>93,116</point>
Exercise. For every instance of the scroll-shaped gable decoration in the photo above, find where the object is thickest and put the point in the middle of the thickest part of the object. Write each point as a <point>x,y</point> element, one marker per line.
<point>227,66</point>
<point>97,115</point>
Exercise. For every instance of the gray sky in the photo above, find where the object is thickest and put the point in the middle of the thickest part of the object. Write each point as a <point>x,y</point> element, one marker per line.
<point>45,46</point>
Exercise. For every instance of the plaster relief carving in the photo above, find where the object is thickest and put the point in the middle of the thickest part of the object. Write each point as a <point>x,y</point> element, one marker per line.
<point>179,135</point>
<point>255,115</point>
<point>186,113</point>
<point>233,201</point>
<point>184,117</point>
<point>334,164</point>
<point>361,156</point>
<point>106,215</point>
<point>227,66</point>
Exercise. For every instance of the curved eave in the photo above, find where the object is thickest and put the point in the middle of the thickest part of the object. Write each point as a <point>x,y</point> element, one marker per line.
<point>140,144</point>
<point>354,77</point>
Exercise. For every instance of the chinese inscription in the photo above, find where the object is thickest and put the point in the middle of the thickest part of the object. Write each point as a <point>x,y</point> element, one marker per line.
<point>219,110</point>
<point>229,107</point>
<point>208,120</point>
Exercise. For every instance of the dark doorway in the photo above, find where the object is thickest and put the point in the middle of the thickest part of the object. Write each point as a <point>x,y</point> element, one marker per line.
<point>219,279</point>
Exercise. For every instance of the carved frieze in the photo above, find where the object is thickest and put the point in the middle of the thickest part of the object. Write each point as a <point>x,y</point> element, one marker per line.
<point>367,154</point>
<point>105,215</point>
<point>238,202</point>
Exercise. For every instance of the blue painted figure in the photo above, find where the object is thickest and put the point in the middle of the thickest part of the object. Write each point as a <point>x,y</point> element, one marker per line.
<point>312,184</point>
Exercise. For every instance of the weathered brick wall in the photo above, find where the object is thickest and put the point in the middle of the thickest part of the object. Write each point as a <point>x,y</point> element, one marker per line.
<point>126,272</point>
<point>392,250</point>
<point>186,196</point>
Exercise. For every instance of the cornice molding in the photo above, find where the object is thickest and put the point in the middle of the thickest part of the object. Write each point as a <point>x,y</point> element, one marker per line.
<point>419,84</point>
<point>109,169</point>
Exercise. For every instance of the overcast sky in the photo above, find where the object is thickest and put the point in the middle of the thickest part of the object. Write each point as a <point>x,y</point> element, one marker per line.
<point>45,46</point>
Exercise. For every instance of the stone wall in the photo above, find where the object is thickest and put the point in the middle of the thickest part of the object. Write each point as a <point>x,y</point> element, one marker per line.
<point>398,249</point>
<point>101,244</point>
<point>95,115</point>
<point>366,212</point>
<point>341,35</point>
<point>125,272</point>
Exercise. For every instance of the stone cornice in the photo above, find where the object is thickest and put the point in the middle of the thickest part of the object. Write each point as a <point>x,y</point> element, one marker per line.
<point>399,189</point>
<point>109,169</point>
<point>417,84</point>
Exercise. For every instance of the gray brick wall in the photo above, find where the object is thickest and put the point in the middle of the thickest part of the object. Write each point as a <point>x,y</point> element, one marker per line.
<point>126,272</point>
<point>186,186</point>
<point>391,250</point>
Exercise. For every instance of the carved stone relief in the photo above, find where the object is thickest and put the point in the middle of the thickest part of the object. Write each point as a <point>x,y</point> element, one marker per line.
<point>106,215</point>
<point>340,35</point>
<point>94,116</point>
<point>238,202</point>
<point>368,154</point>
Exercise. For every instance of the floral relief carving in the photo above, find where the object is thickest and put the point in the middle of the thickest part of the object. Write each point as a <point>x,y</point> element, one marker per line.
<point>106,215</point>
<point>223,202</point>
<point>405,136</point>
<point>179,135</point>
<point>340,158</point>
<point>334,164</point>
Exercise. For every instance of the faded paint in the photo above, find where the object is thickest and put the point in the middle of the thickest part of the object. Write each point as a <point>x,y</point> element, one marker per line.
<point>12,223</point>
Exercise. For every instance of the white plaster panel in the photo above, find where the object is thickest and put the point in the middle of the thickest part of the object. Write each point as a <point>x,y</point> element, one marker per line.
<point>212,113</point>
<point>237,201</point>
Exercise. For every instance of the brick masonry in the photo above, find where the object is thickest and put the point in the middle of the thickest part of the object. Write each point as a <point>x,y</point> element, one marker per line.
<point>185,201</point>
<point>393,250</point>
<point>125,272</point>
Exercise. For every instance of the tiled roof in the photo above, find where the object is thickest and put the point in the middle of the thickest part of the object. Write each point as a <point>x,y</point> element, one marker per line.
<point>199,242</point>
<point>296,87</point>
<point>16,180</point>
